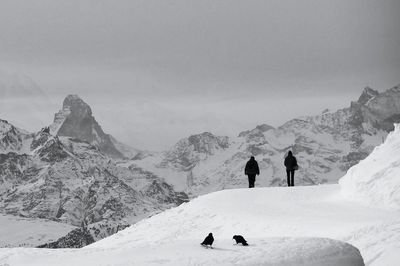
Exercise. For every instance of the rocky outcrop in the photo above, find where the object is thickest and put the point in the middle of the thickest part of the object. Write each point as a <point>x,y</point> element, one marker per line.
<point>189,151</point>
<point>383,110</point>
<point>12,139</point>
<point>77,238</point>
<point>256,131</point>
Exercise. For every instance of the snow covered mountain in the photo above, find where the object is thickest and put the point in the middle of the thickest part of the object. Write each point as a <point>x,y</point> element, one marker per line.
<point>308,225</point>
<point>12,139</point>
<point>326,146</point>
<point>75,173</point>
<point>71,177</point>
<point>188,152</point>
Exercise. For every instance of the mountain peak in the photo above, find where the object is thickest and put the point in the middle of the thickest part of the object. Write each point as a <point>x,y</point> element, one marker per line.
<point>264,127</point>
<point>187,152</point>
<point>259,129</point>
<point>76,120</point>
<point>76,105</point>
<point>367,95</point>
<point>395,88</point>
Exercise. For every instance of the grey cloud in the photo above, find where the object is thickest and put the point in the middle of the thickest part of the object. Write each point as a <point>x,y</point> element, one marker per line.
<point>205,51</point>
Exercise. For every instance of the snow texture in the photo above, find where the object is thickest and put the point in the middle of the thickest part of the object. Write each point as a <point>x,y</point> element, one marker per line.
<point>273,251</point>
<point>375,180</point>
<point>284,226</point>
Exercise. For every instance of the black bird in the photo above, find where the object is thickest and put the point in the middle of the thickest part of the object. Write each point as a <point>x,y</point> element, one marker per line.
<point>208,241</point>
<point>240,240</point>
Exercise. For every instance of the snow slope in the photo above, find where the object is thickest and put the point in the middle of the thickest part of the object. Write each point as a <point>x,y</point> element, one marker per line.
<point>273,251</point>
<point>273,220</point>
<point>375,180</point>
<point>315,211</point>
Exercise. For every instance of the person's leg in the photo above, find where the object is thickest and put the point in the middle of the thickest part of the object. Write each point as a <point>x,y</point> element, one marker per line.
<point>252,180</point>
<point>249,178</point>
<point>292,178</point>
<point>288,177</point>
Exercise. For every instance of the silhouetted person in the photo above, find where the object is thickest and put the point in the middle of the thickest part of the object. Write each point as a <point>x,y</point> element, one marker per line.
<point>291,166</point>
<point>208,241</point>
<point>251,170</point>
<point>240,240</point>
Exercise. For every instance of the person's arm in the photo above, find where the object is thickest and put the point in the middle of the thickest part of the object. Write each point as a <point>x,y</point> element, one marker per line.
<point>245,169</point>
<point>258,170</point>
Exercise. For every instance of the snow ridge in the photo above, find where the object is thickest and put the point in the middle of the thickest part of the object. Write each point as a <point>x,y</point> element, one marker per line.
<point>375,180</point>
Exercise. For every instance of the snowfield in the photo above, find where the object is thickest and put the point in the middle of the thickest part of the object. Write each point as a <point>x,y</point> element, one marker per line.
<point>311,225</point>
<point>284,226</point>
<point>29,232</point>
<point>271,251</point>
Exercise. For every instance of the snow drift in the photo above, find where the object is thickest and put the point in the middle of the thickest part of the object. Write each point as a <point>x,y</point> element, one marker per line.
<point>376,179</point>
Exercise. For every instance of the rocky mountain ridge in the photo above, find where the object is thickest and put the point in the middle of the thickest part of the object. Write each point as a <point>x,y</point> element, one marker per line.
<point>326,145</point>
<point>75,173</point>
<point>71,176</point>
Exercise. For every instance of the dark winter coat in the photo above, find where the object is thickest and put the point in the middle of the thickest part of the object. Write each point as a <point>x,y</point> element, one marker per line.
<point>251,167</point>
<point>290,162</point>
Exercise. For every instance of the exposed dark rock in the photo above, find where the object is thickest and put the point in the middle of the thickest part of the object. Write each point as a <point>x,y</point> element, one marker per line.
<point>77,238</point>
<point>367,95</point>
<point>189,151</point>
<point>353,158</point>
<point>79,123</point>
<point>40,138</point>
<point>257,130</point>
<point>53,151</point>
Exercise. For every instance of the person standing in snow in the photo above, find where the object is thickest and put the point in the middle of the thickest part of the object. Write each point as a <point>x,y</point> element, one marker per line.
<point>291,166</point>
<point>251,170</point>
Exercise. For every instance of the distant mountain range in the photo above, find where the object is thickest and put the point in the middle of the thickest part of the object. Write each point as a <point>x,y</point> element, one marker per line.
<point>325,145</point>
<point>68,173</point>
<point>75,173</point>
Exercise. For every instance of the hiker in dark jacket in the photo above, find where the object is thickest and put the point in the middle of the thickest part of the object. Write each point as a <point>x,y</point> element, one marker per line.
<point>251,171</point>
<point>291,166</point>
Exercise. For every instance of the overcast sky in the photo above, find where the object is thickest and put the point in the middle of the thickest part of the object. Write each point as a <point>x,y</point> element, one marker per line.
<point>156,71</point>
